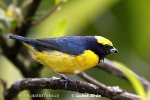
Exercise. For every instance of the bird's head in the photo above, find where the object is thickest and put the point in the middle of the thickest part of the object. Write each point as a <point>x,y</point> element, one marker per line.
<point>105,46</point>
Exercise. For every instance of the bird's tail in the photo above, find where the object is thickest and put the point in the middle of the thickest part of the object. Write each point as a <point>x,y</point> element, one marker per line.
<point>19,38</point>
<point>25,40</point>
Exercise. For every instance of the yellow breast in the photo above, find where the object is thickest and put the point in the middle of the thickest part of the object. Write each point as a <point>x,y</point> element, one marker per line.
<point>64,63</point>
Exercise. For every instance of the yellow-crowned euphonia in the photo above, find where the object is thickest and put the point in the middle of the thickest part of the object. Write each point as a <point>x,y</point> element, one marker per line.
<point>69,54</point>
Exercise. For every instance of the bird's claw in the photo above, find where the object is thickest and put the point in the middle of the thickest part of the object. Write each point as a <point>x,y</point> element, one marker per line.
<point>64,77</point>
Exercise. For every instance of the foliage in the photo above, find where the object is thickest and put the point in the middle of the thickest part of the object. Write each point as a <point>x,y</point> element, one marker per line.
<point>125,22</point>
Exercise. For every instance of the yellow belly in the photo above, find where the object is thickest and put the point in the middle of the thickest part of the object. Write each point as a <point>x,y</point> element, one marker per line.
<point>64,63</point>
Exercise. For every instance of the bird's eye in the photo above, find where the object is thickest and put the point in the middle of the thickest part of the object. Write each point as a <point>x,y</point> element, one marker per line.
<point>106,48</point>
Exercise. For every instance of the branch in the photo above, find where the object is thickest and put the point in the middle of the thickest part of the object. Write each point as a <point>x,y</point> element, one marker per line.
<point>11,55</point>
<point>71,85</point>
<point>26,25</point>
<point>90,79</point>
<point>108,88</point>
<point>108,66</point>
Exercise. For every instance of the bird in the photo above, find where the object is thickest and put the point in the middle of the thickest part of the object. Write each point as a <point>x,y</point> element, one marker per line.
<point>68,54</point>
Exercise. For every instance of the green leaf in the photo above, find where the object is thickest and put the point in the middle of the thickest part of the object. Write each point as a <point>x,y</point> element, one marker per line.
<point>1,29</point>
<point>131,76</point>
<point>77,13</point>
<point>61,28</point>
<point>148,93</point>
<point>57,1</point>
<point>8,72</point>
<point>2,4</point>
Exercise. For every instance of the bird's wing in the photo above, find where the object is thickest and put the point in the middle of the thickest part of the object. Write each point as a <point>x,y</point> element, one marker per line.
<point>71,45</point>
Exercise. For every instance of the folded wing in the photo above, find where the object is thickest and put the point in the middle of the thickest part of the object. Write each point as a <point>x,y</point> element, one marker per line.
<point>72,45</point>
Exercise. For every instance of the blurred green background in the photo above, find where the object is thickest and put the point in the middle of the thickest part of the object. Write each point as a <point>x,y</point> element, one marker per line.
<point>125,22</point>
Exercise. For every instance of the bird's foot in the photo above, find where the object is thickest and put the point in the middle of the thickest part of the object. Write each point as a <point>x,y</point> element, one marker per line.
<point>64,77</point>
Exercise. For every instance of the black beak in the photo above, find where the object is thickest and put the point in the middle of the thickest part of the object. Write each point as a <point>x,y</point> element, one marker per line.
<point>113,50</point>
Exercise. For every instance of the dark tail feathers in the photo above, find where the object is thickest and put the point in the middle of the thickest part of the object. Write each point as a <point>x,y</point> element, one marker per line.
<point>19,38</point>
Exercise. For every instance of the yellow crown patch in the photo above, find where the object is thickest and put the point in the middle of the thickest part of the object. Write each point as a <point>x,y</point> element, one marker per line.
<point>103,40</point>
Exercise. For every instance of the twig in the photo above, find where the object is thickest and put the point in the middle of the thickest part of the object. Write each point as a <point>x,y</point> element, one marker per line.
<point>108,66</point>
<point>47,15</point>
<point>108,88</point>
<point>71,85</point>
<point>90,79</point>
<point>14,60</point>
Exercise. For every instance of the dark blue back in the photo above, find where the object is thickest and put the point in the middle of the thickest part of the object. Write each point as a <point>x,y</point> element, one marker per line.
<point>72,44</point>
